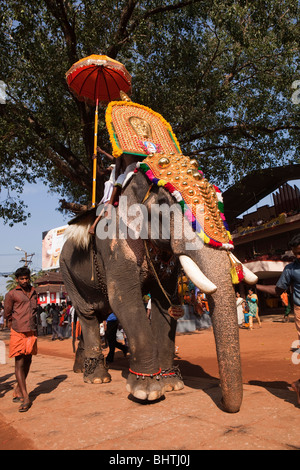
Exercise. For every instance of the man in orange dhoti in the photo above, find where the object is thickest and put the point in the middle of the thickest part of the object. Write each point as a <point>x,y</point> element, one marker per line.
<point>20,308</point>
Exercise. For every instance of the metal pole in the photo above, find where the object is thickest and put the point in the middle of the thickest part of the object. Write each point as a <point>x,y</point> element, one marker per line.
<point>95,156</point>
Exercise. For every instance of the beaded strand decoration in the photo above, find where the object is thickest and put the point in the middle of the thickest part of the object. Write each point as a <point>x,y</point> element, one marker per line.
<point>143,376</point>
<point>191,192</point>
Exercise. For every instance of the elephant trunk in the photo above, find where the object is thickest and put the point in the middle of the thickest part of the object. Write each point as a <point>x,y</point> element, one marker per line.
<point>226,332</point>
<point>215,265</point>
<point>210,270</point>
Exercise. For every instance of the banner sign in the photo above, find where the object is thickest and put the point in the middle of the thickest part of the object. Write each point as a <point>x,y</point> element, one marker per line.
<point>272,223</point>
<point>52,244</point>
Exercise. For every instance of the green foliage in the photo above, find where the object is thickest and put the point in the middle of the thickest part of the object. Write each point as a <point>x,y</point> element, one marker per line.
<point>220,72</point>
<point>11,282</point>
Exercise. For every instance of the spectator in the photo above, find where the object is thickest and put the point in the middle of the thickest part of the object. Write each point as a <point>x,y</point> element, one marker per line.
<point>111,335</point>
<point>20,309</point>
<point>285,299</point>
<point>54,312</point>
<point>239,308</point>
<point>61,325</point>
<point>147,303</point>
<point>193,299</point>
<point>245,308</point>
<point>204,300</point>
<point>68,320</point>
<point>1,317</point>
<point>252,301</point>
<point>290,277</point>
<point>43,318</point>
<point>103,335</point>
<point>199,306</point>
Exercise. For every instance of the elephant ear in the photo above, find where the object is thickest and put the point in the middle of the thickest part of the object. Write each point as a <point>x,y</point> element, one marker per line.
<point>200,201</point>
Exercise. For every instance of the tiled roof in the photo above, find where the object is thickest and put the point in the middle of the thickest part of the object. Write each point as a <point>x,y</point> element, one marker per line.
<point>49,278</point>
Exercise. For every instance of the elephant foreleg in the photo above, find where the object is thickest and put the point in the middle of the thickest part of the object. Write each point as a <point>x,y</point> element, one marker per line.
<point>144,380</point>
<point>94,367</point>
<point>164,331</point>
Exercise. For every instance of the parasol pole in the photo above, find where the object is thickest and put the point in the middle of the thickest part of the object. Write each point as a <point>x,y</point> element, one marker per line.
<point>95,155</point>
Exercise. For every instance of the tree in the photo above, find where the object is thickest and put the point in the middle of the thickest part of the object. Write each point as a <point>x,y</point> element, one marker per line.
<point>220,72</point>
<point>11,282</point>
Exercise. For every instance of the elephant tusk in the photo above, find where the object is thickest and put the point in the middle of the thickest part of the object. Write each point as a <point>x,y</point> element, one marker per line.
<point>196,275</point>
<point>249,276</point>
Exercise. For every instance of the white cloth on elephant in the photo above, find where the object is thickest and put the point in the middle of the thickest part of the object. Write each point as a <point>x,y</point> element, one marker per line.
<point>108,186</point>
<point>122,180</point>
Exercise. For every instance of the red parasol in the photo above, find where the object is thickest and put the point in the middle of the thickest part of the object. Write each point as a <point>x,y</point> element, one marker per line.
<point>94,79</point>
<point>98,77</point>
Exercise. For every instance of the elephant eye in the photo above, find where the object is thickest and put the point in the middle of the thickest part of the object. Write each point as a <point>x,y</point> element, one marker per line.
<point>162,198</point>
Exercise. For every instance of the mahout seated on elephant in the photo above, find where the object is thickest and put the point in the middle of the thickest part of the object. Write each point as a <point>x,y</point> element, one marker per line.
<point>114,273</point>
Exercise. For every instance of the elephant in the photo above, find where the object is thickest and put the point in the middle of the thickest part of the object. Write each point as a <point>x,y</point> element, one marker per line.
<point>112,274</point>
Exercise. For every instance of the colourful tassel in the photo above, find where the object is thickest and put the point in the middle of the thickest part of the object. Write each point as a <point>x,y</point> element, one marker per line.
<point>236,270</point>
<point>234,276</point>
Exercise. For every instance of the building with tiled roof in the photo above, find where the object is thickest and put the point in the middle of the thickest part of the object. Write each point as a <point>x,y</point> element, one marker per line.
<point>50,289</point>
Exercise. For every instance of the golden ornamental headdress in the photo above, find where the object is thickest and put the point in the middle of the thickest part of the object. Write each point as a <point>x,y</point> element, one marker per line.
<point>137,130</point>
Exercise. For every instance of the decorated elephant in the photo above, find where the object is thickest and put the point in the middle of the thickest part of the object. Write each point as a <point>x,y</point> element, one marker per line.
<point>168,217</point>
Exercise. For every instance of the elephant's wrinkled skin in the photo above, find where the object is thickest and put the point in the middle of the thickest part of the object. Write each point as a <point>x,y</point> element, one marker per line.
<point>123,278</point>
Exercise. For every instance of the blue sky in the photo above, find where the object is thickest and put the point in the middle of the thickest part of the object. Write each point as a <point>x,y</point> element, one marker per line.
<point>44,216</point>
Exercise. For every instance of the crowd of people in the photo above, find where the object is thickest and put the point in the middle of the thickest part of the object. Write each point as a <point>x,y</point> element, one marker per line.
<point>190,295</point>
<point>196,302</point>
<point>240,225</point>
<point>55,320</point>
